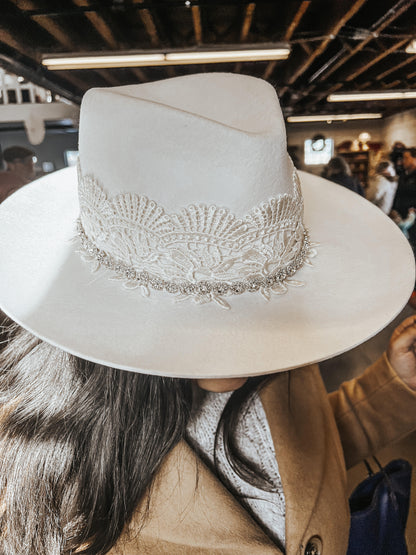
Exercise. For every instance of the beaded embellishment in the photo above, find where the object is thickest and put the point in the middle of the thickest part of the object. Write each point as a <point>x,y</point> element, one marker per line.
<point>204,253</point>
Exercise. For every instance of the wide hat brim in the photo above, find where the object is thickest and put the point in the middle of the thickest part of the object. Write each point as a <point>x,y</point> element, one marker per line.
<point>361,278</point>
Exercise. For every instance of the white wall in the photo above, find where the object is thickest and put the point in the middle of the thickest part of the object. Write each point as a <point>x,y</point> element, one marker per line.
<point>297,133</point>
<point>401,127</point>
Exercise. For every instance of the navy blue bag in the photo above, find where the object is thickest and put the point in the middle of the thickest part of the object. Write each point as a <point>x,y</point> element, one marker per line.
<point>379,508</point>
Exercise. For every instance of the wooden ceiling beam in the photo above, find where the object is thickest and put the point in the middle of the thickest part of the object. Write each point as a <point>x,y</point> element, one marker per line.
<point>245,29</point>
<point>296,20</point>
<point>149,24</point>
<point>391,85</point>
<point>71,78</point>
<point>46,23</point>
<point>282,91</point>
<point>7,38</point>
<point>317,98</point>
<point>56,31</point>
<point>374,31</point>
<point>289,32</point>
<point>106,33</point>
<point>332,33</point>
<point>363,86</point>
<point>102,28</point>
<point>196,19</point>
<point>375,60</point>
<point>108,77</point>
<point>140,74</point>
<point>306,47</point>
<point>248,19</point>
<point>395,68</point>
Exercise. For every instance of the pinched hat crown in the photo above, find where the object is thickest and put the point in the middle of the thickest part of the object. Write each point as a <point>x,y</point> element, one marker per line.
<point>201,202</point>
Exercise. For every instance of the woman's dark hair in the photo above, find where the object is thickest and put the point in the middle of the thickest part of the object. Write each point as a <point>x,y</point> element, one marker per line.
<point>80,444</point>
<point>236,405</point>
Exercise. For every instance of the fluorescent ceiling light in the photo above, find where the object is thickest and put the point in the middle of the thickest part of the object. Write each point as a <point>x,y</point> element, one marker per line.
<point>100,61</point>
<point>228,56</point>
<point>97,60</point>
<point>374,95</point>
<point>332,117</point>
<point>411,47</point>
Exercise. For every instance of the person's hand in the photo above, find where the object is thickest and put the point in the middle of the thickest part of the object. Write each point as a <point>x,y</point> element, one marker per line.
<point>401,351</point>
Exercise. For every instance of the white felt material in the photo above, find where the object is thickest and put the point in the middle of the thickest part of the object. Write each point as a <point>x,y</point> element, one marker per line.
<point>362,277</point>
<point>206,138</point>
<point>228,148</point>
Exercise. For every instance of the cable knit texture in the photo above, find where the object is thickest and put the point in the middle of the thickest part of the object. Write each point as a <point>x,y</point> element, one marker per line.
<point>255,442</point>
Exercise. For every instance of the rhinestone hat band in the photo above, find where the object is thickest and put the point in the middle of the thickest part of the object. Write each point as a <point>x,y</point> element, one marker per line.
<point>143,278</point>
<point>202,252</point>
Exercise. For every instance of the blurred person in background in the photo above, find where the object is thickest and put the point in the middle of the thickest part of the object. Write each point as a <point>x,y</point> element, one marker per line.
<point>396,156</point>
<point>383,186</point>
<point>405,201</point>
<point>404,223</point>
<point>20,170</point>
<point>338,171</point>
<point>406,191</point>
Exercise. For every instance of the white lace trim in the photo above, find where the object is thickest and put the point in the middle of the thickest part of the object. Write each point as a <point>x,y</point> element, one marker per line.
<point>201,252</point>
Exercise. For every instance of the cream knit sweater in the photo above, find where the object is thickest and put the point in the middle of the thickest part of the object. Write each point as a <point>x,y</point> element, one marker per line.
<point>255,442</point>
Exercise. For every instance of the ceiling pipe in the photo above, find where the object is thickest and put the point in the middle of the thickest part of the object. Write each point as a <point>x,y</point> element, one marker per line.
<point>373,32</point>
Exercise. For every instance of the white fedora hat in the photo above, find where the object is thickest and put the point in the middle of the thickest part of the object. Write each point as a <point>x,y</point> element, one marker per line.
<point>184,246</point>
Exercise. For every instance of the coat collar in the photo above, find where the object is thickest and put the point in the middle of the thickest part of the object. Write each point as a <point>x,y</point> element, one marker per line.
<point>189,509</point>
<point>299,445</point>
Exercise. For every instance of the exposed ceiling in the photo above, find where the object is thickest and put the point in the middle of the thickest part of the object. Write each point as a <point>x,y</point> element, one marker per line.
<point>337,45</point>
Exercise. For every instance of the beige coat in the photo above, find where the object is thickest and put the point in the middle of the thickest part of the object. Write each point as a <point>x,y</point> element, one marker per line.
<point>316,437</point>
